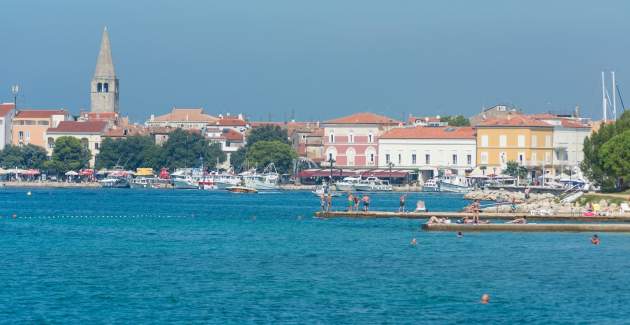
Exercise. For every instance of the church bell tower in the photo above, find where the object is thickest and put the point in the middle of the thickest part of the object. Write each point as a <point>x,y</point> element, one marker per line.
<point>104,86</point>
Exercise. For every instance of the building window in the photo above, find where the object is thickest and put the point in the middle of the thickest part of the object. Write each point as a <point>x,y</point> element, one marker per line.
<point>387,158</point>
<point>370,138</point>
<point>105,87</point>
<point>96,146</point>
<point>427,159</point>
<point>99,87</point>
<point>548,141</point>
<point>484,140</point>
<point>413,158</point>
<point>469,159</point>
<point>51,143</point>
<point>484,157</point>
<point>332,138</point>
<point>547,157</point>
<point>534,141</point>
<point>28,135</point>
<point>399,159</point>
<point>42,123</point>
<point>534,158</point>
<point>521,157</point>
<point>502,140</point>
<point>351,138</point>
<point>372,158</point>
<point>330,157</point>
<point>21,135</point>
<point>521,141</point>
<point>85,143</point>
<point>454,159</point>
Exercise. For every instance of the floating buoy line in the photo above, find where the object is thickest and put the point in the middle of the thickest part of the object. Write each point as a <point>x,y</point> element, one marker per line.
<point>79,216</point>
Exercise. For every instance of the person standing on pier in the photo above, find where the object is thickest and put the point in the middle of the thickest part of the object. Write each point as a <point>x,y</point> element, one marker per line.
<point>350,201</point>
<point>329,202</point>
<point>366,203</point>
<point>476,207</point>
<point>322,202</point>
<point>356,202</point>
<point>401,208</point>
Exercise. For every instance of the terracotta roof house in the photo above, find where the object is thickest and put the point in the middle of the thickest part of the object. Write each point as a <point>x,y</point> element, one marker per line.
<point>185,118</point>
<point>30,125</point>
<point>90,133</point>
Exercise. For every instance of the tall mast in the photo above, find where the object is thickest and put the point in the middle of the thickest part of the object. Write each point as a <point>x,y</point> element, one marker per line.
<point>604,108</point>
<point>614,93</point>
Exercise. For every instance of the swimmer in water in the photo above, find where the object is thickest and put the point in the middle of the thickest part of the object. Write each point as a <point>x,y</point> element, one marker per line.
<point>414,242</point>
<point>460,234</point>
<point>485,298</point>
<point>595,240</point>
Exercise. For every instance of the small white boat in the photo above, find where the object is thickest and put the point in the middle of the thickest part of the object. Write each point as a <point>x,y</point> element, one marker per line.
<point>373,184</point>
<point>430,185</point>
<point>454,183</point>
<point>347,184</point>
<point>325,190</point>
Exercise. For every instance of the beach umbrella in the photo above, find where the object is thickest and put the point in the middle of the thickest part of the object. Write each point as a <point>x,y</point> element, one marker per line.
<point>71,173</point>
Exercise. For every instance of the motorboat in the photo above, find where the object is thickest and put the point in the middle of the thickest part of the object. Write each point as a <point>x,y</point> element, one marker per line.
<point>325,189</point>
<point>454,183</point>
<point>241,189</point>
<point>347,184</point>
<point>373,184</point>
<point>224,180</point>
<point>207,184</point>
<point>143,182</point>
<point>268,180</point>
<point>115,182</point>
<point>187,178</point>
<point>431,185</point>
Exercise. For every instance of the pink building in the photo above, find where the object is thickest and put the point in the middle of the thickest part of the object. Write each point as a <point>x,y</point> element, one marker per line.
<point>352,141</point>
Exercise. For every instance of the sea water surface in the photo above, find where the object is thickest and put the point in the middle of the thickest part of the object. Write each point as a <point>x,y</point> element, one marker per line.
<point>168,256</point>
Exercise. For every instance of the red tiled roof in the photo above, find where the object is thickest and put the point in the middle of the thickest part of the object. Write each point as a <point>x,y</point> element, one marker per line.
<point>364,118</point>
<point>513,121</point>
<point>413,119</point>
<point>231,122</point>
<point>39,113</point>
<point>421,132</point>
<point>79,127</point>
<point>543,116</point>
<point>186,114</point>
<point>232,135</point>
<point>573,124</point>
<point>6,108</point>
<point>101,115</point>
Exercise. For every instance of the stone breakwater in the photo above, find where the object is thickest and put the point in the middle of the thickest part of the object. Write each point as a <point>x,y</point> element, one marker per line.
<point>544,203</point>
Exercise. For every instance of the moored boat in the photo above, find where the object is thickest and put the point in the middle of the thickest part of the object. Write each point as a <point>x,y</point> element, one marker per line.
<point>241,189</point>
<point>347,184</point>
<point>430,185</point>
<point>373,184</point>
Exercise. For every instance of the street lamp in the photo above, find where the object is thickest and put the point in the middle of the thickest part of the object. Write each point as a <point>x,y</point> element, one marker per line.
<point>15,89</point>
<point>331,161</point>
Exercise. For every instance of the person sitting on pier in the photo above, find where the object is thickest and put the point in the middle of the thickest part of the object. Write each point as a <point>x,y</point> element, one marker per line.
<point>520,221</point>
<point>434,220</point>
<point>366,202</point>
<point>420,207</point>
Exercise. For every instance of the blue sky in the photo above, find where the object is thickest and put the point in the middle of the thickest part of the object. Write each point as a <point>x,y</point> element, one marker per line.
<point>318,59</point>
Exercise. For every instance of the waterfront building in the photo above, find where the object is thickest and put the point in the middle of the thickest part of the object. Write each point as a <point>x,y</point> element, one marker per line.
<point>185,118</point>
<point>308,142</point>
<point>432,121</point>
<point>30,125</point>
<point>430,150</point>
<point>238,124</point>
<point>230,140</point>
<point>516,138</point>
<point>568,140</point>
<point>352,141</point>
<point>494,112</point>
<point>7,112</point>
<point>89,133</point>
<point>104,92</point>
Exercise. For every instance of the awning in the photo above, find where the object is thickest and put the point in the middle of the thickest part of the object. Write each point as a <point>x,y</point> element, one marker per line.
<point>71,173</point>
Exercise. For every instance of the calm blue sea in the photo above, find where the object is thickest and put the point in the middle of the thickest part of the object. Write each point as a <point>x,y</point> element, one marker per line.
<point>166,256</point>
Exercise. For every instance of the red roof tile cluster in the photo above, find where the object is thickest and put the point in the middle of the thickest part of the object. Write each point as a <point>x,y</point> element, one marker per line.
<point>513,121</point>
<point>6,108</point>
<point>186,114</point>
<point>232,135</point>
<point>228,121</point>
<point>573,124</point>
<point>364,118</point>
<point>422,132</point>
<point>39,113</point>
<point>101,116</point>
<point>79,127</point>
<point>413,119</point>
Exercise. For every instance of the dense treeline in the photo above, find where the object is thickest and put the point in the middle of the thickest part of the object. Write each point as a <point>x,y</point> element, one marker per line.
<point>182,149</point>
<point>265,145</point>
<point>607,155</point>
<point>68,154</point>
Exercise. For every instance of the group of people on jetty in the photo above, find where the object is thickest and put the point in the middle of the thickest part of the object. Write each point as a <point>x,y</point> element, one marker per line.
<point>355,203</point>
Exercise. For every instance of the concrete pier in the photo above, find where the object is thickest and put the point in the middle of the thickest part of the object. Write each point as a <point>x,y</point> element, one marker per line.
<point>459,215</point>
<point>541,227</point>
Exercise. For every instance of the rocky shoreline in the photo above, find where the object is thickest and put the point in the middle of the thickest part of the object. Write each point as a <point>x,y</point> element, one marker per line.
<point>543,203</point>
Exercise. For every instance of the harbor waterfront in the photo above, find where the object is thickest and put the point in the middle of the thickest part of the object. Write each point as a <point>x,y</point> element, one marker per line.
<point>155,256</point>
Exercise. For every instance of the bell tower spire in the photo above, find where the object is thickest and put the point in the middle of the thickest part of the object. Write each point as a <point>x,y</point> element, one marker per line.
<point>104,86</point>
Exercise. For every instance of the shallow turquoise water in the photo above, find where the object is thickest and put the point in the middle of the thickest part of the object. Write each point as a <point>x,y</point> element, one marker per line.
<point>132,256</point>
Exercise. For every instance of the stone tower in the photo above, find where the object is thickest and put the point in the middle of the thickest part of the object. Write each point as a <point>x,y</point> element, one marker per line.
<point>104,87</point>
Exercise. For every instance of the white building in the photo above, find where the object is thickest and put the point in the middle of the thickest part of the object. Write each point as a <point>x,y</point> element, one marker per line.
<point>89,133</point>
<point>7,112</point>
<point>429,149</point>
<point>185,118</point>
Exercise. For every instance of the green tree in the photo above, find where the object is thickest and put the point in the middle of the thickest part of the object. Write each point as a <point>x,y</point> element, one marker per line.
<point>513,169</point>
<point>615,155</point>
<point>262,153</point>
<point>594,164</point>
<point>34,156</point>
<point>11,157</point>
<point>455,120</point>
<point>237,159</point>
<point>130,153</point>
<point>68,155</point>
<point>267,133</point>
<point>184,149</point>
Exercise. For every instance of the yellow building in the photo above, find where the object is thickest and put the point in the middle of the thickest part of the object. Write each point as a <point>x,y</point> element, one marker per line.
<point>515,138</point>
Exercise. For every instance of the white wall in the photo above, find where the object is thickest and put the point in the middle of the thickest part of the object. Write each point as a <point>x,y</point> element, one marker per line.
<point>440,151</point>
<point>573,140</point>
